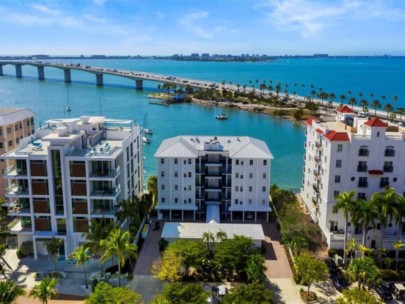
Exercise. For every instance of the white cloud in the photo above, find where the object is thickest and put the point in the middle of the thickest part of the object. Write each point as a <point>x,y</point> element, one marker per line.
<point>160,15</point>
<point>310,17</point>
<point>44,9</point>
<point>99,2</point>
<point>190,23</point>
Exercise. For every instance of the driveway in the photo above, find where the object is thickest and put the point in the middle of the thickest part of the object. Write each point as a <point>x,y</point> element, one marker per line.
<point>278,271</point>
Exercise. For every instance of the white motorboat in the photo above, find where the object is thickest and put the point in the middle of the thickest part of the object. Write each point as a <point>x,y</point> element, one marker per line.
<point>222,116</point>
<point>148,131</point>
<point>145,140</point>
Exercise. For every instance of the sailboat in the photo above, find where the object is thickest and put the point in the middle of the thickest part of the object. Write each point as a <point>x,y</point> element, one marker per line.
<point>68,108</point>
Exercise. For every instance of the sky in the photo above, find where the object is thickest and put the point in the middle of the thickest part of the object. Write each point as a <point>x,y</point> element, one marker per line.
<point>166,27</point>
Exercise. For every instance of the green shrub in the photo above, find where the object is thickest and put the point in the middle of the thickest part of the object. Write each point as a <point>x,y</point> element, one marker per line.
<point>392,275</point>
<point>162,245</point>
<point>25,249</point>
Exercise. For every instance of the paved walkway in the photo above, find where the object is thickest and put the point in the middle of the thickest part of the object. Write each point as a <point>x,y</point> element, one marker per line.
<point>278,270</point>
<point>144,282</point>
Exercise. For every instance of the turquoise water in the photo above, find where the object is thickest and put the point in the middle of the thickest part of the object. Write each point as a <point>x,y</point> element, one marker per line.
<point>118,99</point>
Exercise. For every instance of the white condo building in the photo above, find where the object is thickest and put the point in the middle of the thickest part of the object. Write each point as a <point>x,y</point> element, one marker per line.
<point>204,178</point>
<point>347,153</point>
<point>71,172</point>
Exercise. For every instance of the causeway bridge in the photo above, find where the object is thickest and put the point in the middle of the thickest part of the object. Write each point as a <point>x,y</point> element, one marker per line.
<point>99,72</point>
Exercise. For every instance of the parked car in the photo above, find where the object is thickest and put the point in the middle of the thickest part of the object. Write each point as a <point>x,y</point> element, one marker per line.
<point>338,282</point>
<point>333,269</point>
<point>384,292</point>
<point>398,290</point>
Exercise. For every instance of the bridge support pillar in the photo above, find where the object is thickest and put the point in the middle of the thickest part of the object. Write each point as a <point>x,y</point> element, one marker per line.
<point>41,72</point>
<point>1,70</point>
<point>139,84</point>
<point>18,70</point>
<point>68,75</point>
<point>99,80</point>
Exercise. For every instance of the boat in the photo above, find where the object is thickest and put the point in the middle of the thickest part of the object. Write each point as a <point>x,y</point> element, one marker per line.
<point>145,140</point>
<point>222,116</point>
<point>148,131</point>
<point>68,108</point>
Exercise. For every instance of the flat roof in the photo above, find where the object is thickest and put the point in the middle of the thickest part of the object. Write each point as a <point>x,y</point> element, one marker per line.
<point>177,230</point>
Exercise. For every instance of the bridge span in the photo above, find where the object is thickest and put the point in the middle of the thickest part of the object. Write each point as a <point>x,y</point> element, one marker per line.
<point>99,72</point>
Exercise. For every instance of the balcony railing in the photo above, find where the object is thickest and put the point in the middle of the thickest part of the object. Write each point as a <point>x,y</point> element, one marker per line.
<point>105,173</point>
<point>315,187</point>
<point>362,168</point>
<point>316,174</point>
<point>388,168</point>
<point>317,159</point>
<point>389,153</point>
<point>318,145</point>
<point>362,184</point>
<point>15,189</point>
<point>14,171</point>
<point>363,152</point>
<point>106,192</point>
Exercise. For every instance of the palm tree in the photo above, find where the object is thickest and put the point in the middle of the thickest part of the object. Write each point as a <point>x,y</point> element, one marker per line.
<point>363,103</point>
<point>365,214</point>
<point>385,203</point>
<point>342,98</point>
<point>81,256</point>
<point>351,248</point>
<point>9,292</point>
<point>129,210</point>
<point>352,101</point>
<point>388,108</point>
<point>363,270</point>
<point>398,246</point>
<point>98,231</point>
<point>44,290</point>
<point>238,86</point>
<point>376,105</point>
<point>401,112</point>
<point>53,246</point>
<point>119,243</point>
<point>153,188</point>
<point>208,237</point>
<point>221,235</point>
<point>345,202</point>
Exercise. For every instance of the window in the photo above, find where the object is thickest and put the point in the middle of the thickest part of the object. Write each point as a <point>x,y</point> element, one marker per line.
<point>237,162</point>
<point>335,193</point>
<point>10,143</point>
<point>1,145</point>
<point>189,200</point>
<point>263,202</point>
<point>265,162</point>
<point>250,202</point>
<point>236,188</point>
<point>338,163</point>
<point>163,200</point>
<point>28,123</point>
<point>333,226</point>
<point>339,147</point>
<point>185,162</point>
<point>361,195</point>
<point>176,187</point>
<point>389,151</point>
<point>32,121</point>
<point>362,166</point>
<point>250,188</point>
<point>236,201</point>
<point>250,175</point>
<point>337,179</point>
<point>388,166</point>
<point>363,183</point>
<point>189,187</point>
<point>264,188</point>
<point>384,182</point>
<point>189,161</point>
<point>176,200</point>
<point>241,162</point>
<point>251,162</point>
<point>264,175</point>
<point>176,174</point>
<point>189,174</point>
<point>162,187</point>
<point>162,160</point>
<point>16,127</point>
<point>236,175</point>
<point>175,161</point>
<point>241,189</point>
<point>162,173</point>
<point>363,151</point>
<point>17,140</point>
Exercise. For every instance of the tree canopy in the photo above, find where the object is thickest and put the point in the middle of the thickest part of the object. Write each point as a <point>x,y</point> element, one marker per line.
<point>105,293</point>
<point>249,294</point>
<point>179,293</point>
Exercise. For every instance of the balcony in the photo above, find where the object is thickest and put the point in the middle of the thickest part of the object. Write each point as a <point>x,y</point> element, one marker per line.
<point>362,168</point>
<point>101,174</point>
<point>106,192</point>
<point>318,145</point>
<point>104,211</point>
<point>78,169</point>
<point>363,152</point>
<point>79,189</point>
<point>81,225</point>
<point>20,225</point>
<point>318,159</point>
<point>362,185</point>
<point>16,189</point>
<point>315,187</point>
<point>14,172</point>
<point>389,153</point>
<point>389,169</point>
<point>43,225</point>
<point>19,207</point>
<point>315,201</point>
<point>317,174</point>
<point>39,188</point>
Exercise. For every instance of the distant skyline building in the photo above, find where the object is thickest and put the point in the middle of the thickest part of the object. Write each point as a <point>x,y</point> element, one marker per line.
<point>219,178</point>
<point>346,153</point>
<point>72,171</point>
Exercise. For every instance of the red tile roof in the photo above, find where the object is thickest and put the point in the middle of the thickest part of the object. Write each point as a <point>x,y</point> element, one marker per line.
<point>375,172</point>
<point>344,109</point>
<point>337,136</point>
<point>375,122</point>
<point>309,121</point>
<point>319,131</point>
